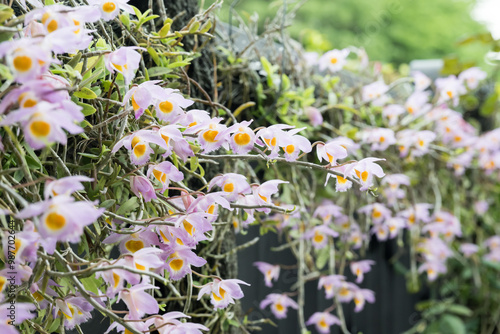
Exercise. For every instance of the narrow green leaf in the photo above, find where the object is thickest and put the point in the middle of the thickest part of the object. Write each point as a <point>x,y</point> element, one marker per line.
<point>85,93</point>
<point>87,109</point>
<point>130,205</point>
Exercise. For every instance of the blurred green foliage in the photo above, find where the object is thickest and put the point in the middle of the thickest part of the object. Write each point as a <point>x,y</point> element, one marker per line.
<point>390,30</point>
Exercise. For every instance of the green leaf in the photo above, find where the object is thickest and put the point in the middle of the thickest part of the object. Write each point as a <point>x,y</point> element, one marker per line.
<point>166,28</point>
<point>87,108</point>
<point>5,13</point>
<point>137,11</point>
<point>88,155</point>
<point>5,72</point>
<point>55,324</point>
<point>489,105</point>
<point>85,93</point>
<point>451,324</point>
<point>194,27</point>
<point>107,203</point>
<point>84,124</point>
<point>154,55</point>
<point>460,310</point>
<point>158,71</point>
<point>193,163</point>
<point>125,19</point>
<point>206,27</point>
<point>322,257</point>
<point>74,61</point>
<point>128,206</point>
<point>91,284</point>
<point>178,64</point>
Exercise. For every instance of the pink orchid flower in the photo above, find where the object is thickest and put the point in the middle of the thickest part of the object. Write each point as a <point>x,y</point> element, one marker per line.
<point>359,268</point>
<point>222,292</point>
<point>417,103</point>
<point>141,96</point>
<point>333,60</point>
<point>142,186</point>
<point>468,249</point>
<point>111,8</point>
<point>421,81</point>
<point>271,272</point>
<point>180,261</point>
<point>138,145</point>
<point>472,76</point>
<point>174,141</point>
<point>331,151</point>
<point>43,124</point>
<point>314,116</point>
<point>319,236</point>
<point>76,310</point>
<point>164,172</point>
<point>232,185</point>
<point>27,58</point>
<point>279,304</point>
<point>331,284</point>
<point>138,301</point>
<point>323,321</point>
<point>210,137</point>
<point>375,93</point>
<point>243,138</point>
<point>392,112</point>
<point>125,61</point>
<point>170,105</point>
<point>61,219</point>
<point>361,296</point>
<point>365,170</point>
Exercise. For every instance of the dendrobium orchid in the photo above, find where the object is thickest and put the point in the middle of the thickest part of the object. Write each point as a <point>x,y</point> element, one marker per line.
<point>323,321</point>
<point>111,8</point>
<point>61,219</point>
<point>422,82</point>
<point>361,296</point>
<point>472,76</point>
<point>360,267</point>
<point>243,138</point>
<point>164,172</point>
<point>222,292</point>
<point>232,185</point>
<point>142,186</point>
<point>365,170</point>
<point>375,93</point>
<point>138,301</point>
<point>43,124</point>
<point>331,151</point>
<point>138,145</point>
<point>27,58</point>
<point>141,96</point>
<point>333,60</point>
<point>271,272</point>
<point>450,88</point>
<point>279,304</point>
<point>319,236</point>
<point>125,60</point>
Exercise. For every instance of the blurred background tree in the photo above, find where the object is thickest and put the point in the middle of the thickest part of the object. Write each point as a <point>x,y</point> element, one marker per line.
<point>396,31</point>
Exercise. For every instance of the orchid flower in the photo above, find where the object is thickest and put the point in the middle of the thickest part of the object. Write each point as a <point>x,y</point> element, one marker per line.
<point>125,60</point>
<point>271,272</point>
<point>365,170</point>
<point>164,172</point>
<point>142,186</point>
<point>111,8</point>
<point>279,304</point>
<point>361,267</point>
<point>323,321</point>
<point>333,60</point>
<point>222,292</point>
